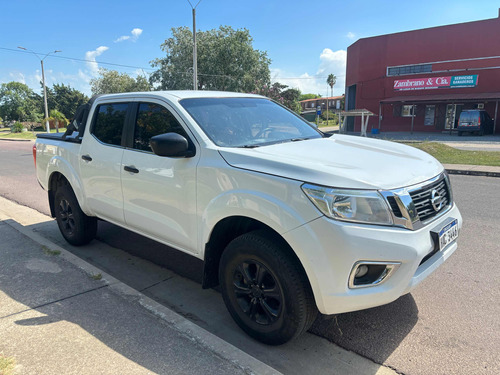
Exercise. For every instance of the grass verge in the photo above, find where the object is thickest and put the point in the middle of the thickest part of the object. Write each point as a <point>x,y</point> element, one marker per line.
<point>7,365</point>
<point>25,135</point>
<point>449,155</point>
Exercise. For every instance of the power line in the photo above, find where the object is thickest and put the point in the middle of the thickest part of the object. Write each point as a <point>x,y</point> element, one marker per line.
<point>82,60</point>
<point>151,69</point>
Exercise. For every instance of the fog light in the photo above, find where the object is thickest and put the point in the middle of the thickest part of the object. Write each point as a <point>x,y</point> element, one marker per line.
<point>366,273</point>
<point>361,271</point>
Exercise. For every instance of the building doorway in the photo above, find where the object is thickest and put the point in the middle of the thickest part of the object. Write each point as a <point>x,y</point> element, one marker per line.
<point>452,115</point>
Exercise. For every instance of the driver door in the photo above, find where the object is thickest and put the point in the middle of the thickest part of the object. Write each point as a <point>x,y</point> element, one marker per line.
<point>159,192</point>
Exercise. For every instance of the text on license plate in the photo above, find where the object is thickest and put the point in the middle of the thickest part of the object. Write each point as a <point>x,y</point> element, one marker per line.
<point>448,234</point>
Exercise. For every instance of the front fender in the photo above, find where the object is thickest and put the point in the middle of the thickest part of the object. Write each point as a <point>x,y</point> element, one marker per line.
<point>277,214</point>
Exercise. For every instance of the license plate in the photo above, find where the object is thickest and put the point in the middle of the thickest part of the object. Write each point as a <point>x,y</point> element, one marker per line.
<point>448,234</point>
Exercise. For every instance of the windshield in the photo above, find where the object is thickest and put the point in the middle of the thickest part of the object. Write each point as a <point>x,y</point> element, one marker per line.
<point>247,122</point>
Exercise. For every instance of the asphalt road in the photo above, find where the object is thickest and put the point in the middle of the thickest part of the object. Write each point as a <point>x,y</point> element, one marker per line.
<point>449,325</point>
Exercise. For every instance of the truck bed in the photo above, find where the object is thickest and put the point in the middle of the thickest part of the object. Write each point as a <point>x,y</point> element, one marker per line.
<point>73,138</point>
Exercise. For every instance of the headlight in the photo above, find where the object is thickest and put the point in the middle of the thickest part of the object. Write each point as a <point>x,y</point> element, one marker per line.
<point>362,206</point>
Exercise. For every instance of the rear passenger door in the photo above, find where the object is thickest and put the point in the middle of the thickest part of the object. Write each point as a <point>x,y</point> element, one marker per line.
<point>100,161</point>
<point>159,192</point>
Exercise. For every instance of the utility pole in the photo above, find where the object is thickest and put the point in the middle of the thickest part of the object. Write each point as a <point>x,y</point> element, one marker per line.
<point>195,57</point>
<point>43,84</point>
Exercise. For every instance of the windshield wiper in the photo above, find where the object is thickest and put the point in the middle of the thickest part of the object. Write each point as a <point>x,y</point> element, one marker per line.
<point>248,146</point>
<point>299,139</point>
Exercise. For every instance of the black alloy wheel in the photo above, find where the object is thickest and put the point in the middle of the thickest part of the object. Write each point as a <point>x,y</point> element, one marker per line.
<point>65,212</point>
<point>265,288</point>
<point>76,227</point>
<point>258,292</point>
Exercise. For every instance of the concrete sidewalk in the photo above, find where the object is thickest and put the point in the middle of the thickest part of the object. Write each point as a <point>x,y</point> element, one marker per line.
<point>60,315</point>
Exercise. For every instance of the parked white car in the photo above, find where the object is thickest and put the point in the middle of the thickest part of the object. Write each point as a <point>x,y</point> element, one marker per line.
<point>287,220</point>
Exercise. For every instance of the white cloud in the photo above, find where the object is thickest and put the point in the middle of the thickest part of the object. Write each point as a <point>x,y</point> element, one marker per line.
<point>91,56</point>
<point>351,35</point>
<point>329,62</point>
<point>135,34</point>
<point>18,77</point>
<point>122,38</point>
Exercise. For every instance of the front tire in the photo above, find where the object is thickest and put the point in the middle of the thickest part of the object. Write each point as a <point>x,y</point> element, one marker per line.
<point>265,289</point>
<point>76,227</point>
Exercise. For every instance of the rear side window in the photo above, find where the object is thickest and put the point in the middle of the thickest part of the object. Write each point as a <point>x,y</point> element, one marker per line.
<point>108,126</point>
<point>154,119</point>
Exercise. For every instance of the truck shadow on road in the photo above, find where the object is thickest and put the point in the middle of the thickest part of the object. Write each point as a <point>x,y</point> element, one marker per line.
<point>374,333</point>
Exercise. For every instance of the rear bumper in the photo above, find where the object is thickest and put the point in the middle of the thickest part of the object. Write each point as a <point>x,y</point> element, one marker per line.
<point>470,129</point>
<point>329,249</point>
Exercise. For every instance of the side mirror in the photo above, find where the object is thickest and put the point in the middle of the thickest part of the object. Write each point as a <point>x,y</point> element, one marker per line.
<point>171,145</point>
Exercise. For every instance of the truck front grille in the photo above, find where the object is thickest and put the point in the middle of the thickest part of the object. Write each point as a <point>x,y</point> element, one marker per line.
<point>422,198</point>
<point>414,206</point>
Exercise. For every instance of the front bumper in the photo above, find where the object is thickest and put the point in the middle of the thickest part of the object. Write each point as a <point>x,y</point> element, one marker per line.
<point>328,249</point>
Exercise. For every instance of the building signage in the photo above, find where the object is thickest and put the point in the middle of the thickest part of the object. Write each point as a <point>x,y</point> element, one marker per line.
<point>435,83</point>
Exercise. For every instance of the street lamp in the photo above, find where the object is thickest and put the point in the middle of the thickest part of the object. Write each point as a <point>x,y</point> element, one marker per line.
<point>195,57</point>
<point>43,84</point>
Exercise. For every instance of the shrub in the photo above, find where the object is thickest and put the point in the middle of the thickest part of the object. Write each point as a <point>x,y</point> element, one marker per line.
<point>17,128</point>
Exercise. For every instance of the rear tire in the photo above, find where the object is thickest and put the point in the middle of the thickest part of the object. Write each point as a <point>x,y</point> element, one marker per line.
<point>265,289</point>
<point>76,227</point>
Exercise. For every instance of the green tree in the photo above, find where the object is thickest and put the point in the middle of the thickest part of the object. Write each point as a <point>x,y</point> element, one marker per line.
<point>19,102</point>
<point>309,96</point>
<point>227,61</point>
<point>281,94</point>
<point>65,99</point>
<point>111,81</point>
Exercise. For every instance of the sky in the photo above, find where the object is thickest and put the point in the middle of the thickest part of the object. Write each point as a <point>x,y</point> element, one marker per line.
<point>305,40</point>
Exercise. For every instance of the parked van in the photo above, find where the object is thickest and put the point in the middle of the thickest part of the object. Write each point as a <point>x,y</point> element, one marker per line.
<point>475,120</point>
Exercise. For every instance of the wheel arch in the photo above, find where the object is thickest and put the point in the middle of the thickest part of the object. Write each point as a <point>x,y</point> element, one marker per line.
<point>57,179</point>
<point>228,229</point>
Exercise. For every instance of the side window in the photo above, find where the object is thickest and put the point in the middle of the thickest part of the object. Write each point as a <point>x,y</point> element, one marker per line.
<point>109,122</point>
<point>154,119</point>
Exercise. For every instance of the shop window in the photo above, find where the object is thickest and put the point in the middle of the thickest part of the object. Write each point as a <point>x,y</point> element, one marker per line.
<point>430,113</point>
<point>407,110</point>
<point>408,69</point>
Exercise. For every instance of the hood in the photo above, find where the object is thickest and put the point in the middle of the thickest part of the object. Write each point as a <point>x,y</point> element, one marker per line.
<point>339,161</point>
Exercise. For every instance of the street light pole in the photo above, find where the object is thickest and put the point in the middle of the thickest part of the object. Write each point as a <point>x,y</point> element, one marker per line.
<point>43,84</point>
<point>47,125</point>
<point>195,57</point>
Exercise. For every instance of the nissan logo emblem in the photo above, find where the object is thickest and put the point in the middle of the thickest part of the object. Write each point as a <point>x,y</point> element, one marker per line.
<point>436,200</point>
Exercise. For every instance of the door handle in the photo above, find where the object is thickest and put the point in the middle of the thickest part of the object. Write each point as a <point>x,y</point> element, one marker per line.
<point>131,169</point>
<point>86,157</point>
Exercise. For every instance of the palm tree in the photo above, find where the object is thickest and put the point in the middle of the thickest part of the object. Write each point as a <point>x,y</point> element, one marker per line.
<point>331,80</point>
<point>57,117</point>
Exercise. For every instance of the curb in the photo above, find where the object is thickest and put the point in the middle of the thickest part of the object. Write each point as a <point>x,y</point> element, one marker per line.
<point>16,139</point>
<point>473,173</point>
<point>183,326</point>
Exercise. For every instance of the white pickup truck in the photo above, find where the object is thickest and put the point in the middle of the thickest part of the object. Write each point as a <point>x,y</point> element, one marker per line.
<point>288,221</point>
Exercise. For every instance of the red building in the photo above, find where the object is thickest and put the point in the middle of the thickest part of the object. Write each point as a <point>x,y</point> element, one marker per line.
<point>421,80</point>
